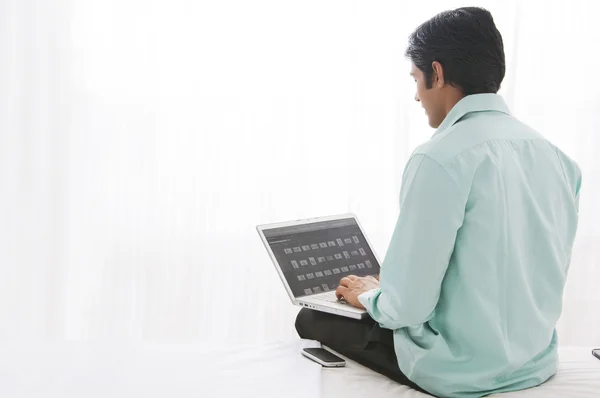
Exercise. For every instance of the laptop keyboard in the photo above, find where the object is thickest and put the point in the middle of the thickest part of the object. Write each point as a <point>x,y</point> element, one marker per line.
<point>331,297</point>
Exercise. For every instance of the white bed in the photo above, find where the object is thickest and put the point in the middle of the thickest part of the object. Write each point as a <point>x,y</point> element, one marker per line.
<point>74,370</point>
<point>578,377</point>
<point>78,370</point>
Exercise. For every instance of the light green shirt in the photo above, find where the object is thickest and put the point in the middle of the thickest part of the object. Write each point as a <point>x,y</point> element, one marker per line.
<point>473,279</point>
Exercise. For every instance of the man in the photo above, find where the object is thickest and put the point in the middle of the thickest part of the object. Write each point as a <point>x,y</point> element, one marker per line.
<point>471,287</point>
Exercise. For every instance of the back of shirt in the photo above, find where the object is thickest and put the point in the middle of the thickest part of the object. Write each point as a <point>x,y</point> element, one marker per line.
<point>510,199</point>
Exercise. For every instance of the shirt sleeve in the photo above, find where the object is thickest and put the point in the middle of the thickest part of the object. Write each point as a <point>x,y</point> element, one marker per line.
<point>431,212</point>
<point>577,190</point>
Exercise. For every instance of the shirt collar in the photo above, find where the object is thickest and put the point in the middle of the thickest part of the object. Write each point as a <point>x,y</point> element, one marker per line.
<point>473,103</point>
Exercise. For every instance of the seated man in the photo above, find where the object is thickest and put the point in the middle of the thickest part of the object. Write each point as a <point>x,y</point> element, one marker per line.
<point>471,287</point>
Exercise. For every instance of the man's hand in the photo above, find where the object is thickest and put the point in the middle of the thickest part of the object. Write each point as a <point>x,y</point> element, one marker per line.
<point>353,286</point>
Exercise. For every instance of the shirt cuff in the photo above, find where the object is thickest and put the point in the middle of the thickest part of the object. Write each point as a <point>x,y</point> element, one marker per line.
<point>366,299</point>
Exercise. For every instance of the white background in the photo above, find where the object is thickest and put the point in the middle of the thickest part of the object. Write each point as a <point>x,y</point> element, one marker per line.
<point>142,141</point>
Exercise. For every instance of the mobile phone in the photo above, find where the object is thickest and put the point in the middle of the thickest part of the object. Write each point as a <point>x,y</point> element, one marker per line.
<point>596,353</point>
<point>324,357</point>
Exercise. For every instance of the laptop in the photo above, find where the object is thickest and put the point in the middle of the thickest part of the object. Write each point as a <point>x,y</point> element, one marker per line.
<point>312,255</point>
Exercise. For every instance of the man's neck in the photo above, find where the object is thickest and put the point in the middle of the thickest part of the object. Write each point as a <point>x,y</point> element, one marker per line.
<point>453,98</point>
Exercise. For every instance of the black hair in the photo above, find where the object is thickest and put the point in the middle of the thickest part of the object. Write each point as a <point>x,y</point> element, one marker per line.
<point>467,44</point>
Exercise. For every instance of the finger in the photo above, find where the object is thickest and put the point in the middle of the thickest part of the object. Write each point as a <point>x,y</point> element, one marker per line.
<point>341,291</point>
<point>345,281</point>
<point>352,277</point>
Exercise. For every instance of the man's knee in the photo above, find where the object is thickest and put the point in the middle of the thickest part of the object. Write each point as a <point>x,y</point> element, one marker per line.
<point>304,321</point>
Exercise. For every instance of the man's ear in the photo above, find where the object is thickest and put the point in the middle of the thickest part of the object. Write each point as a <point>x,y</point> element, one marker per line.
<point>438,77</point>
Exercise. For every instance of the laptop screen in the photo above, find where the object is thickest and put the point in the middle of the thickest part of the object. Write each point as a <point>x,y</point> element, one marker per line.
<point>314,257</point>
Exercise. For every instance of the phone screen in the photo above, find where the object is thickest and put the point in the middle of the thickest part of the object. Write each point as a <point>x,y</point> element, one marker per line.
<point>323,355</point>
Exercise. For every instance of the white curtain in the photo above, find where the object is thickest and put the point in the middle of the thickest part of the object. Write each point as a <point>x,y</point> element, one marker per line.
<point>142,141</point>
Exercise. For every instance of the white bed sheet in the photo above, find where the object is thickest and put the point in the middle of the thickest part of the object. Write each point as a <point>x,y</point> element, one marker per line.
<point>68,370</point>
<point>578,377</point>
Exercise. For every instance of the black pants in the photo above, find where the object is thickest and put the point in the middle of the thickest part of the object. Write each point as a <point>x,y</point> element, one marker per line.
<point>360,340</point>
